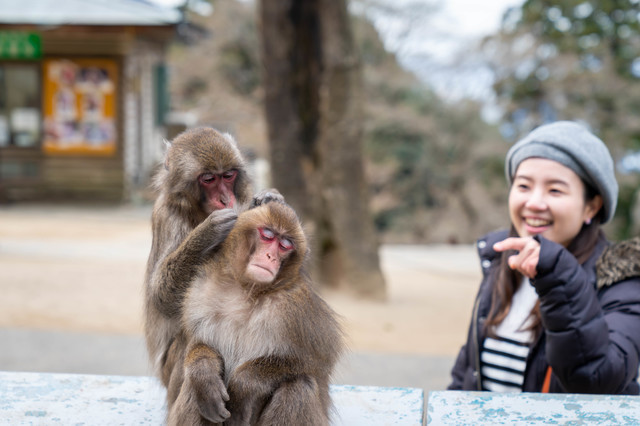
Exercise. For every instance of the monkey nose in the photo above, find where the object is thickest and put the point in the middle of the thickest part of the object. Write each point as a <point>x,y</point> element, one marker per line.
<point>272,257</point>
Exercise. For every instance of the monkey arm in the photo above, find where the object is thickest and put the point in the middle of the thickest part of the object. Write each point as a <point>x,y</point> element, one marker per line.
<point>202,393</point>
<point>204,368</point>
<point>173,275</point>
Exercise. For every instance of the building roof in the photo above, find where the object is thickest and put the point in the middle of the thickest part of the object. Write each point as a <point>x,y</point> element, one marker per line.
<point>86,12</point>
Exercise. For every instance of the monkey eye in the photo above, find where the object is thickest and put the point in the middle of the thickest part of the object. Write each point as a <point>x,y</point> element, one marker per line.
<point>286,244</point>
<point>207,177</point>
<point>266,234</point>
<point>229,175</point>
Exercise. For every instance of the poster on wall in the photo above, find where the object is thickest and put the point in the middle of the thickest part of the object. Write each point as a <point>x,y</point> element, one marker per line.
<point>79,106</point>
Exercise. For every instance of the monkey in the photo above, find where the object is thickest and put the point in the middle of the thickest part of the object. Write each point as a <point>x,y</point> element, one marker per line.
<point>260,343</point>
<point>200,189</point>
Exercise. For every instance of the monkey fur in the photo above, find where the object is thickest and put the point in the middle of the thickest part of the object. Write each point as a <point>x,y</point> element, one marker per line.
<point>187,224</point>
<point>256,351</point>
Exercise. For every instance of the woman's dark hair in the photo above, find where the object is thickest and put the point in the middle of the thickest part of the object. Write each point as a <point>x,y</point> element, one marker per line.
<point>508,280</point>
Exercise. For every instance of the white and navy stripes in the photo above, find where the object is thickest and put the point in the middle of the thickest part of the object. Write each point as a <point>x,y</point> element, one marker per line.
<point>503,362</point>
<point>503,358</point>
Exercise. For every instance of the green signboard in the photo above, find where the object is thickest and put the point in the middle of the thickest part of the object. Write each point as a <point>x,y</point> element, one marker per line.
<point>20,45</point>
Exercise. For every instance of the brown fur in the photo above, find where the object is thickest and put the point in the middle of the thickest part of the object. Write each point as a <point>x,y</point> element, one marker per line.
<point>618,262</point>
<point>183,232</point>
<point>271,347</point>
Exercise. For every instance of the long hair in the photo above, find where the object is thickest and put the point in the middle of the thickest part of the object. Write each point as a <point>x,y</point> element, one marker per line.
<point>508,280</point>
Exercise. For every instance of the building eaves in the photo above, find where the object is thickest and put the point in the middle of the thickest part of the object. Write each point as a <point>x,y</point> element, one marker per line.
<point>86,12</point>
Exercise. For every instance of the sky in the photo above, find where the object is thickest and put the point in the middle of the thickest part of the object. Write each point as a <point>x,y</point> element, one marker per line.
<point>435,46</point>
<point>438,47</point>
<point>466,17</point>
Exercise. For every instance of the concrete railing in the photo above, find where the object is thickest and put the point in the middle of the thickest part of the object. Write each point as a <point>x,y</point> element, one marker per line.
<point>491,408</point>
<point>66,399</point>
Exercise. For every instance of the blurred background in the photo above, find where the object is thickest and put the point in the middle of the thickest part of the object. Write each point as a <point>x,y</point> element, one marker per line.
<point>384,123</point>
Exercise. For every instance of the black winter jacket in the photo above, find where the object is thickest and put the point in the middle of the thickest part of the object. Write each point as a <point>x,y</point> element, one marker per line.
<point>590,315</point>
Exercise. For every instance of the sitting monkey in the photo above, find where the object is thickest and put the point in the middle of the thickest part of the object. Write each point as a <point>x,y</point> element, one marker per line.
<point>259,344</point>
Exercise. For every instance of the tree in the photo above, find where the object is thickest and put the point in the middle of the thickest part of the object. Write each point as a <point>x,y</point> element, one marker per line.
<point>313,104</point>
<point>579,60</point>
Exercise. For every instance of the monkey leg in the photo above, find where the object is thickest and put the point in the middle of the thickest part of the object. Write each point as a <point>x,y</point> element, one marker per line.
<point>268,391</point>
<point>184,410</point>
<point>172,373</point>
<point>296,402</point>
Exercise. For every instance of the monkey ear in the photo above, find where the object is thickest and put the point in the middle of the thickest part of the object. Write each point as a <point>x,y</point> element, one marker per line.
<point>167,145</point>
<point>230,138</point>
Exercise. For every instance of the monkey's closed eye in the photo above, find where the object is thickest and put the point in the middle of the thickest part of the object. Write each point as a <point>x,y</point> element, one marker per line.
<point>286,244</point>
<point>229,175</point>
<point>207,177</point>
<point>266,234</point>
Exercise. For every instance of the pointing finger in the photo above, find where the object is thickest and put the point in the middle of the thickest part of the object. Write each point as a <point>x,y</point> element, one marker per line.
<point>512,243</point>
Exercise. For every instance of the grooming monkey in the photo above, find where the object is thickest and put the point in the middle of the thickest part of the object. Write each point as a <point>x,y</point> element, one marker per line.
<point>202,185</point>
<point>260,343</point>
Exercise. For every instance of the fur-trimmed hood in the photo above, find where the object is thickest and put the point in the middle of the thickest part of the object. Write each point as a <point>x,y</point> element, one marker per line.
<point>618,262</point>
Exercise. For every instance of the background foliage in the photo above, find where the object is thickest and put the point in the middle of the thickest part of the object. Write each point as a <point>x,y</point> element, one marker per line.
<point>576,60</point>
<point>436,168</point>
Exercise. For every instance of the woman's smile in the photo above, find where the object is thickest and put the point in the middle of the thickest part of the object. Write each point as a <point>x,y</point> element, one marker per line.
<point>547,198</point>
<point>537,225</point>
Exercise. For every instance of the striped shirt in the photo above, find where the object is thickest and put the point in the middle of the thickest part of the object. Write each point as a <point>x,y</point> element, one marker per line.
<point>503,359</point>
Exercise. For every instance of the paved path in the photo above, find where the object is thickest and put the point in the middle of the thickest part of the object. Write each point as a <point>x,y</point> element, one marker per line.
<point>71,285</point>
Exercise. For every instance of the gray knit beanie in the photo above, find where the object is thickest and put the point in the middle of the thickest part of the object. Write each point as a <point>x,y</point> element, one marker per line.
<point>573,146</point>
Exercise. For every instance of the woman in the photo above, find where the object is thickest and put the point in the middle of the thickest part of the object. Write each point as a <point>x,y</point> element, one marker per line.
<point>558,308</point>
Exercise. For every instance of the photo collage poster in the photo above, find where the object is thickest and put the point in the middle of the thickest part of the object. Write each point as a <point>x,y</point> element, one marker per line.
<point>80,106</point>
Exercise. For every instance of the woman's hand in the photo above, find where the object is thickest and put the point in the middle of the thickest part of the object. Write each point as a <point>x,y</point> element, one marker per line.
<point>526,260</point>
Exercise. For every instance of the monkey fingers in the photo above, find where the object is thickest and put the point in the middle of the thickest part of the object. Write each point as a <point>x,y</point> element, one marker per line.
<point>217,227</point>
<point>209,389</point>
<point>211,396</point>
<point>266,196</point>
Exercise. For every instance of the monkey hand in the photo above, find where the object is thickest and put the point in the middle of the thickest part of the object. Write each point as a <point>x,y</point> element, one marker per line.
<point>217,226</point>
<point>266,196</point>
<point>211,396</point>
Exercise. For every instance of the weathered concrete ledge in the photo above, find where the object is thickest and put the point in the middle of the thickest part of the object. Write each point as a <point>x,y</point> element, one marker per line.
<point>49,399</point>
<point>476,408</point>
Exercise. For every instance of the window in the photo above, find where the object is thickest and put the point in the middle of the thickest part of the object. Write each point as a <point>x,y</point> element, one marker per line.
<point>162,94</point>
<point>20,113</point>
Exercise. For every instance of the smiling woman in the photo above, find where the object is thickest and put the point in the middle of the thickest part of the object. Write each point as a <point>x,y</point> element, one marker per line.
<point>549,199</point>
<point>555,311</point>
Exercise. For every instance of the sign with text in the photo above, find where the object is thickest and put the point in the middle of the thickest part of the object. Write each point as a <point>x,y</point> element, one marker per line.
<point>20,45</point>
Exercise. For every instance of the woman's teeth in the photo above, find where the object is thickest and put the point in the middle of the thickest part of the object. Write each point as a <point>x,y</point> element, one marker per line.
<point>537,222</point>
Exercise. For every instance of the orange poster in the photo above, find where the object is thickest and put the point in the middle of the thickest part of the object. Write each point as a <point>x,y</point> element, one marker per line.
<point>79,106</point>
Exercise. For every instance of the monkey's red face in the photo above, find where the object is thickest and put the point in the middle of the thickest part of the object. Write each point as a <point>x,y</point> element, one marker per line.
<point>271,250</point>
<point>218,189</point>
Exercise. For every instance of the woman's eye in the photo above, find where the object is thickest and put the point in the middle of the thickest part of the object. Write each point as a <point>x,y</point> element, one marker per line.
<point>266,234</point>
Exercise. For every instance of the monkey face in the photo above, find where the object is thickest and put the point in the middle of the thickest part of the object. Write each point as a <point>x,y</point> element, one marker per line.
<point>204,169</point>
<point>218,189</point>
<point>271,250</point>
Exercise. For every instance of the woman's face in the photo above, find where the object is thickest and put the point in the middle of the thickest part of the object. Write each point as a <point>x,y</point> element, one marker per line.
<point>548,198</point>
